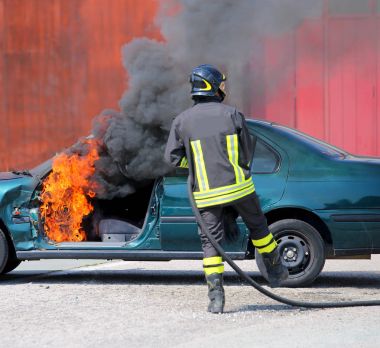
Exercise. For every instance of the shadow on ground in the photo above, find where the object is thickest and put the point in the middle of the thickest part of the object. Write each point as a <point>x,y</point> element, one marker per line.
<point>369,280</point>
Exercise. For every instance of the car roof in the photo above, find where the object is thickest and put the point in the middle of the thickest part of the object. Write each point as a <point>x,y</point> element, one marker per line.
<point>281,134</point>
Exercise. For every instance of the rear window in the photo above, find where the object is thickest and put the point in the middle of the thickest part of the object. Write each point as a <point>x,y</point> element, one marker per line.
<point>319,145</point>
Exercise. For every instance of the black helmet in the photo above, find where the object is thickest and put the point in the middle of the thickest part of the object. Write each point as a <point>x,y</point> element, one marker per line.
<point>206,81</point>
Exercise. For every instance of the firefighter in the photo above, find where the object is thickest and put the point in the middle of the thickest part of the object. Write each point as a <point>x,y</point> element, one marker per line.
<point>215,138</point>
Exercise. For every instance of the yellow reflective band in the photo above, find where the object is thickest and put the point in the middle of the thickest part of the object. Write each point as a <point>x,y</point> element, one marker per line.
<point>203,165</point>
<point>200,166</point>
<point>197,166</point>
<point>263,241</point>
<point>225,198</point>
<point>267,249</point>
<point>211,270</point>
<point>223,189</point>
<point>212,260</point>
<point>208,86</point>
<point>236,149</point>
<point>184,163</point>
<point>233,156</point>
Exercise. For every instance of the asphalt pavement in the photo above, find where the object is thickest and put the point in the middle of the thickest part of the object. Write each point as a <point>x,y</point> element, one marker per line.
<point>87,303</point>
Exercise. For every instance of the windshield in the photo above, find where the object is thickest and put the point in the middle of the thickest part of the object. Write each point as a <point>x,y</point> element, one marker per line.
<point>319,145</point>
<point>42,168</point>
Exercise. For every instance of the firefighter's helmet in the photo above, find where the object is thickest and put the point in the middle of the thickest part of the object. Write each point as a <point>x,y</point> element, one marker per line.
<point>206,80</point>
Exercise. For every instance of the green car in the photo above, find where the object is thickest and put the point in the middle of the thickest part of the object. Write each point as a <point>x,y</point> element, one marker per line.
<point>320,202</point>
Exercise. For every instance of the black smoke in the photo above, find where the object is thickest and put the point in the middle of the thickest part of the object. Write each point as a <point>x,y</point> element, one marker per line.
<point>225,33</point>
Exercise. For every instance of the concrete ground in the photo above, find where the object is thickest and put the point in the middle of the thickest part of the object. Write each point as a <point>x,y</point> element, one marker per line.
<point>163,304</point>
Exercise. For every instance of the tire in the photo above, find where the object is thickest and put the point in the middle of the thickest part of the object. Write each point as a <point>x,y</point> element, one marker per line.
<point>11,265</point>
<point>302,251</point>
<point>4,251</point>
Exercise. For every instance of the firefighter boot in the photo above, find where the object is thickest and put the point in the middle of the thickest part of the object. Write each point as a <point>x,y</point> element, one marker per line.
<point>215,292</point>
<point>277,272</point>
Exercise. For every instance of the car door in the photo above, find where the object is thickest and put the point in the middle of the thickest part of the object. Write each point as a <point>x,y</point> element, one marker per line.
<point>178,229</point>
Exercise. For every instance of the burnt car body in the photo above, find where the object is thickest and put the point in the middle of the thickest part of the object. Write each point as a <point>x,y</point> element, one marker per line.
<point>320,202</point>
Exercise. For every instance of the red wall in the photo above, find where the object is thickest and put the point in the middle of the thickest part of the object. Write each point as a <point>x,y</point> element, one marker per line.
<point>60,65</point>
<point>328,85</point>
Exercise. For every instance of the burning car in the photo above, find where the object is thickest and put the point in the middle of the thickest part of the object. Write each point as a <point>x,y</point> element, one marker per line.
<point>320,202</point>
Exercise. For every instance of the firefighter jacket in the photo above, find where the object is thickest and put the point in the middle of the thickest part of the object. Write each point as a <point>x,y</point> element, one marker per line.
<point>215,138</point>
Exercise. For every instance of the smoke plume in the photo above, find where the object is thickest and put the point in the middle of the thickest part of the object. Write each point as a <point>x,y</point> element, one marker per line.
<point>225,33</point>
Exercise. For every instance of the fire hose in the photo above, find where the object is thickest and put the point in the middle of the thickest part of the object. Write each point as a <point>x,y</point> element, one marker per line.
<point>253,283</point>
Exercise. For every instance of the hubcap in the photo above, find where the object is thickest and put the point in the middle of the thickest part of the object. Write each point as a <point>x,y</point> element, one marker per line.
<point>295,252</point>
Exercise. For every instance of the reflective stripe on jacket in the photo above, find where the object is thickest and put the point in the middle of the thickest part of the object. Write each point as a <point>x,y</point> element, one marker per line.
<point>215,138</point>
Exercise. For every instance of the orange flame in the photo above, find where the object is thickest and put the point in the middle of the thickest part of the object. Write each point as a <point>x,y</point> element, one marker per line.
<point>65,195</point>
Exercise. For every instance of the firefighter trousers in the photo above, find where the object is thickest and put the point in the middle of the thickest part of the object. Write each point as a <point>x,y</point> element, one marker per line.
<point>250,211</point>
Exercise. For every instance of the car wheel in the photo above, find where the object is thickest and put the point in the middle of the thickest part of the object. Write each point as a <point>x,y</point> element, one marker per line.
<point>11,265</point>
<point>4,251</point>
<point>302,251</point>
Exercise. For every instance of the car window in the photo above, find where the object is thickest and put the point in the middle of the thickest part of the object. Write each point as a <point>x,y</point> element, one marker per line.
<point>265,159</point>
